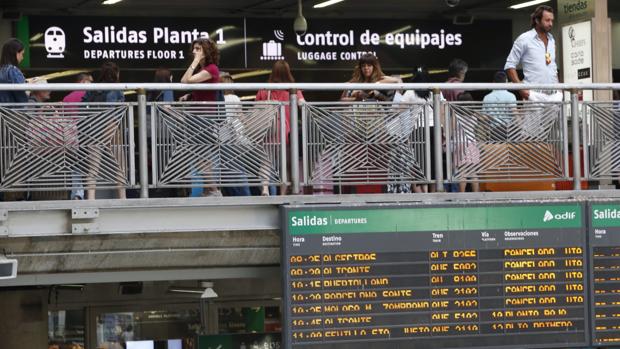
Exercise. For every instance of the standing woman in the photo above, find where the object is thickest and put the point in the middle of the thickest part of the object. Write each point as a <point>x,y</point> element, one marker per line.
<point>368,70</point>
<point>109,73</point>
<point>162,75</point>
<point>12,55</point>
<point>280,73</point>
<point>203,69</point>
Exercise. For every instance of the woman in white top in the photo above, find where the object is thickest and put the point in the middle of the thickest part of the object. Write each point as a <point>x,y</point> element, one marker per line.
<point>235,132</point>
<point>421,75</point>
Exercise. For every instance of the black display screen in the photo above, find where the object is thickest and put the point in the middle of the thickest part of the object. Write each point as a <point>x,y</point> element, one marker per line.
<point>605,267</point>
<point>431,277</point>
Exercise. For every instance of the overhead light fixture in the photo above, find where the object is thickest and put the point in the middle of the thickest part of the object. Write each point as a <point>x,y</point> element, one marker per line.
<point>251,74</point>
<point>110,2</point>
<point>527,4</point>
<point>300,25</point>
<point>205,290</point>
<point>36,37</point>
<point>179,289</point>
<point>327,3</point>
<point>208,292</point>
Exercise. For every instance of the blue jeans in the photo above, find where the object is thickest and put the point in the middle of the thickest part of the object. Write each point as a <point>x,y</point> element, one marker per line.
<point>451,187</point>
<point>236,191</point>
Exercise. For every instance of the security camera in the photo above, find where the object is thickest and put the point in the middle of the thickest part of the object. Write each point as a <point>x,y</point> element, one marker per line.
<point>300,26</point>
<point>452,3</point>
<point>8,268</point>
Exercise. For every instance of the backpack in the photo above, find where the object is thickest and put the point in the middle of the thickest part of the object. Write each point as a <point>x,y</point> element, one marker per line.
<point>95,96</point>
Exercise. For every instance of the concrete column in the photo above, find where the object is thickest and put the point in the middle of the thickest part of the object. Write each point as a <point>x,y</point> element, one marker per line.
<point>24,319</point>
<point>601,49</point>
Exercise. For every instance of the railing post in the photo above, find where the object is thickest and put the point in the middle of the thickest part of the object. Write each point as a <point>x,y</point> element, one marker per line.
<point>438,151</point>
<point>574,106</point>
<point>142,148</point>
<point>294,142</point>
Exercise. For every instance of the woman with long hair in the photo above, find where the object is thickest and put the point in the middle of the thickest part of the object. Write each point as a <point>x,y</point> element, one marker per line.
<point>12,56</point>
<point>203,69</point>
<point>109,73</point>
<point>368,70</point>
<point>163,76</point>
<point>280,73</point>
<point>420,76</point>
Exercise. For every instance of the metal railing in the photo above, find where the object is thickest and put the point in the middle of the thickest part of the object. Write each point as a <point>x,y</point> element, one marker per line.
<point>202,144</point>
<point>491,142</point>
<point>59,146</point>
<point>217,144</point>
<point>601,136</point>
<point>359,143</point>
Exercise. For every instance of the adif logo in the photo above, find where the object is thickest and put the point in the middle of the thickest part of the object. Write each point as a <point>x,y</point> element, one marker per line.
<point>55,42</point>
<point>272,51</point>
<point>559,216</point>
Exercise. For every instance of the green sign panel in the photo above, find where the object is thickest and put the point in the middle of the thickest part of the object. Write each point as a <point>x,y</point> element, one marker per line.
<point>434,219</point>
<point>605,215</point>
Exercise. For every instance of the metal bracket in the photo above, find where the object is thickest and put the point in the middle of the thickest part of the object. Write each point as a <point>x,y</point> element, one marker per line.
<point>78,228</point>
<point>4,216</point>
<point>84,213</point>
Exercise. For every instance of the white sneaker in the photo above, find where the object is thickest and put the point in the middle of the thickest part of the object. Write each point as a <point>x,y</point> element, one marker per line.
<point>214,193</point>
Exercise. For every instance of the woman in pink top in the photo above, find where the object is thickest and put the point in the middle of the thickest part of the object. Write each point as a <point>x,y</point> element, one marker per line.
<point>280,73</point>
<point>203,69</point>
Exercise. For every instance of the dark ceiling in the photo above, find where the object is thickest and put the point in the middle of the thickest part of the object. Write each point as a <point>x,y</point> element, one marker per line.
<point>266,8</point>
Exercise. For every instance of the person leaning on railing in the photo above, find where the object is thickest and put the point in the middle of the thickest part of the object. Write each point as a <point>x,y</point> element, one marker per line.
<point>367,70</point>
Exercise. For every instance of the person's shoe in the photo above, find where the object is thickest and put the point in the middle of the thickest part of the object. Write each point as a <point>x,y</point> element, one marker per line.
<point>215,193</point>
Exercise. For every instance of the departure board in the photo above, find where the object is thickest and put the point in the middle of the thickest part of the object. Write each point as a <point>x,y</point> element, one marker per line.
<point>605,254</point>
<point>435,277</point>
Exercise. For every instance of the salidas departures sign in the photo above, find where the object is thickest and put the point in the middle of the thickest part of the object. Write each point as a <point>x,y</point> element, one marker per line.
<point>72,42</point>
